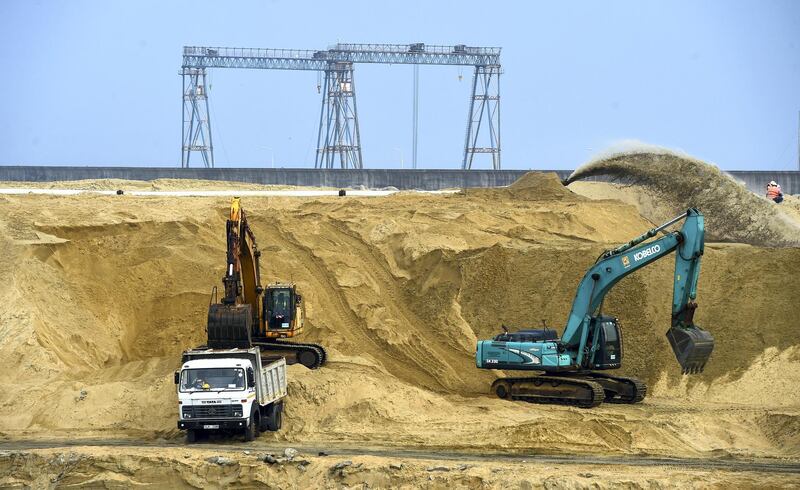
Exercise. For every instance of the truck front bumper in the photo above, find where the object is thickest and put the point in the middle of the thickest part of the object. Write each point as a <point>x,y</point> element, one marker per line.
<point>212,424</point>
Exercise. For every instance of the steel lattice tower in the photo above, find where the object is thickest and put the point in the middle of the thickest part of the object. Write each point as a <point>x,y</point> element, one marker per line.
<point>484,106</point>
<point>196,118</point>
<point>338,120</point>
<point>338,129</point>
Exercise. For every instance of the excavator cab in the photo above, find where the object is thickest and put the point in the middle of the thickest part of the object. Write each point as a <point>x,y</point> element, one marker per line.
<point>607,339</point>
<point>283,311</point>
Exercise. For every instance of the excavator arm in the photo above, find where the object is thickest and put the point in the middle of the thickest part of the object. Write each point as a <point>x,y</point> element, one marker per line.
<point>230,322</point>
<point>242,279</point>
<point>691,344</point>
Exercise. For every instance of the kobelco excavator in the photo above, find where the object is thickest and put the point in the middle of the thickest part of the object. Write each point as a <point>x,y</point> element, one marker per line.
<point>591,341</point>
<point>250,315</point>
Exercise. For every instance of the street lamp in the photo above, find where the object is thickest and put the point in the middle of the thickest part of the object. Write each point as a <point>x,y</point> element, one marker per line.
<point>271,153</point>
<point>402,161</point>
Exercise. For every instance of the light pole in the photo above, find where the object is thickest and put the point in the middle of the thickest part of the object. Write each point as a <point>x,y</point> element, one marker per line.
<point>416,117</point>
<point>402,161</point>
<point>271,155</point>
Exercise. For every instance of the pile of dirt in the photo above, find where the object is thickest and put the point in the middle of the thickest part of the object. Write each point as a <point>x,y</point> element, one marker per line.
<point>671,183</point>
<point>540,186</point>
<point>533,186</point>
<point>104,293</point>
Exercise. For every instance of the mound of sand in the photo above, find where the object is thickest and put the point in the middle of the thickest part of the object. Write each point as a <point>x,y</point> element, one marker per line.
<point>672,183</point>
<point>103,294</point>
<point>540,186</point>
<point>533,186</point>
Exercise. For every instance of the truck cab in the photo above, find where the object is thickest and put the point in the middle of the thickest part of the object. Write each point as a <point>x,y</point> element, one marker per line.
<point>230,390</point>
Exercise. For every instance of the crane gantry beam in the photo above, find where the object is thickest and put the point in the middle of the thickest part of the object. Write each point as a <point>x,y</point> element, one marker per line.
<point>258,58</point>
<point>338,130</point>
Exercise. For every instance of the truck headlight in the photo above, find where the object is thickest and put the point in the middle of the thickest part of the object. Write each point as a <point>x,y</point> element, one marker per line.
<point>237,413</point>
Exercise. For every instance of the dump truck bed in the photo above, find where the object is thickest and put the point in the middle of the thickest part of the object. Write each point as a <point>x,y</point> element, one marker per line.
<point>269,371</point>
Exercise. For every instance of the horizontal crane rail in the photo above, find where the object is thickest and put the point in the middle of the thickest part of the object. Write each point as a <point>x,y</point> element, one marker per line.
<point>304,59</point>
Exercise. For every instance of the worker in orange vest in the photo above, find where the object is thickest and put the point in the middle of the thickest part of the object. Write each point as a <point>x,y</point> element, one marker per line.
<point>774,192</point>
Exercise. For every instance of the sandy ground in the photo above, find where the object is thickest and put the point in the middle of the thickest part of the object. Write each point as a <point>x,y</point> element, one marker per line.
<point>219,468</point>
<point>102,293</point>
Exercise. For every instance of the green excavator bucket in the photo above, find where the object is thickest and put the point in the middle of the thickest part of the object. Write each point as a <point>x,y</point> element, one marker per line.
<point>692,346</point>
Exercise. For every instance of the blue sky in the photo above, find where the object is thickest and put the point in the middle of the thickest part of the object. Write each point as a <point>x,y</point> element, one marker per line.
<point>96,82</point>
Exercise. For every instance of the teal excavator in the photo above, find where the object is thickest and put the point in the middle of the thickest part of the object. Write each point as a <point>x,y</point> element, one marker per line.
<point>591,341</point>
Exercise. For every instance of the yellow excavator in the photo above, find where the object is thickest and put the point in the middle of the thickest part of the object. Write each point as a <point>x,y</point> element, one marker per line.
<point>250,315</point>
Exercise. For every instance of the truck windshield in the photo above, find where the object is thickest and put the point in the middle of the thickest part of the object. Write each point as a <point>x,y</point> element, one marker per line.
<point>212,379</point>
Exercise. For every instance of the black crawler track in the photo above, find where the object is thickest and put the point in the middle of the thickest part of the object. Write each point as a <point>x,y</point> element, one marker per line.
<point>581,389</point>
<point>312,356</point>
<point>619,389</point>
<point>558,390</point>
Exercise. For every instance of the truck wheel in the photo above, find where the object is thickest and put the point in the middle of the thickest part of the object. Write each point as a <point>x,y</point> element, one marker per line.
<point>279,418</point>
<point>251,431</point>
<point>191,436</point>
<point>263,424</point>
<point>275,418</point>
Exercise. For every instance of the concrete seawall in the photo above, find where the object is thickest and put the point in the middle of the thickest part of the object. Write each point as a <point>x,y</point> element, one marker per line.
<point>755,180</point>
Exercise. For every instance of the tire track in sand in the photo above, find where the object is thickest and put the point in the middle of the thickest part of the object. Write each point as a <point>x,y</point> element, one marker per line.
<point>733,464</point>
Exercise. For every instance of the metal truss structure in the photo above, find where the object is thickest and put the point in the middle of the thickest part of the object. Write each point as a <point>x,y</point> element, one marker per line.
<point>338,135</point>
<point>339,118</point>
<point>196,118</point>
<point>484,105</point>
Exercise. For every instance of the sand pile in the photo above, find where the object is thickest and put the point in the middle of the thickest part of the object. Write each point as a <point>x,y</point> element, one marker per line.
<point>540,186</point>
<point>533,186</point>
<point>674,182</point>
<point>103,293</point>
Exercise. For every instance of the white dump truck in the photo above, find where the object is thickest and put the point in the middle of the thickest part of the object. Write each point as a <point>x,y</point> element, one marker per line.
<point>234,390</point>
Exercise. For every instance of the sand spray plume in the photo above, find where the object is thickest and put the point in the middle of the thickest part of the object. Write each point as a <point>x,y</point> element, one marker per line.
<point>677,181</point>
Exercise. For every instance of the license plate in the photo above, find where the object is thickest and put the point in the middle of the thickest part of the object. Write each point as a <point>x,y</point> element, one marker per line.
<point>211,426</point>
